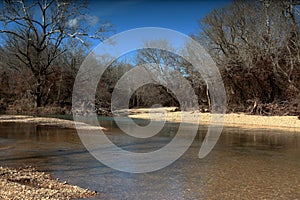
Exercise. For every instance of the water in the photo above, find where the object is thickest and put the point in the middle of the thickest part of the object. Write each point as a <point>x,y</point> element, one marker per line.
<point>245,164</point>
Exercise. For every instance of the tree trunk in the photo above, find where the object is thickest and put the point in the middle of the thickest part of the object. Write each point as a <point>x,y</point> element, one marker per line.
<point>38,96</point>
<point>208,98</point>
<point>59,88</point>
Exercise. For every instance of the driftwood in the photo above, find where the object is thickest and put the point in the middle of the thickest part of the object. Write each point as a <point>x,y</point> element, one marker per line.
<point>271,109</point>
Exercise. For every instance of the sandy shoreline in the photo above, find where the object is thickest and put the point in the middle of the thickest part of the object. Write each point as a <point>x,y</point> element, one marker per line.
<point>47,121</point>
<point>287,123</point>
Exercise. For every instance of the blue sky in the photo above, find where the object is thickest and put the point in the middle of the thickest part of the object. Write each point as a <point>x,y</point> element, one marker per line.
<point>181,16</point>
<point>178,15</point>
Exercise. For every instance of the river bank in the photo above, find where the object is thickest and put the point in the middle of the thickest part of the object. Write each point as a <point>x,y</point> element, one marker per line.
<point>287,123</point>
<point>48,121</point>
<point>28,183</point>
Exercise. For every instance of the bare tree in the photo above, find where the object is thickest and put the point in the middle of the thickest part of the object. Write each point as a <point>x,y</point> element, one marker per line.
<point>162,65</point>
<point>256,45</point>
<point>35,32</point>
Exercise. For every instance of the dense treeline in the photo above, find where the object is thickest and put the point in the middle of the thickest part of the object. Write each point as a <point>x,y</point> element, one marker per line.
<point>255,44</point>
<point>43,43</point>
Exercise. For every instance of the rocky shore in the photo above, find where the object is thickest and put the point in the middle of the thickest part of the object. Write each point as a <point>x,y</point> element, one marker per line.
<point>28,183</point>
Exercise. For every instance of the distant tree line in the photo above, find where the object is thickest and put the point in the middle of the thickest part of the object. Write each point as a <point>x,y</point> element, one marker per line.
<point>255,44</point>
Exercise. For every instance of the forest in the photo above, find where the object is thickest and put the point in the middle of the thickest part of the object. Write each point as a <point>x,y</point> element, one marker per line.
<point>255,44</point>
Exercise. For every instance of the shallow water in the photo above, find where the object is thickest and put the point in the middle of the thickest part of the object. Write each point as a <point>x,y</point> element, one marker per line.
<point>245,163</point>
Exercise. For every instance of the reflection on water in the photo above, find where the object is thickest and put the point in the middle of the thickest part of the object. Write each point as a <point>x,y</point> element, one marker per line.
<point>245,164</point>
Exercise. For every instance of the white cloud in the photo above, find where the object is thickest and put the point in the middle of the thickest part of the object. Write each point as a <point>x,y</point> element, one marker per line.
<point>92,19</point>
<point>73,22</point>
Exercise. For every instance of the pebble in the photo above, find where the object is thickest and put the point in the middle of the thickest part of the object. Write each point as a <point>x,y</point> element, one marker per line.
<point>28,183</point>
